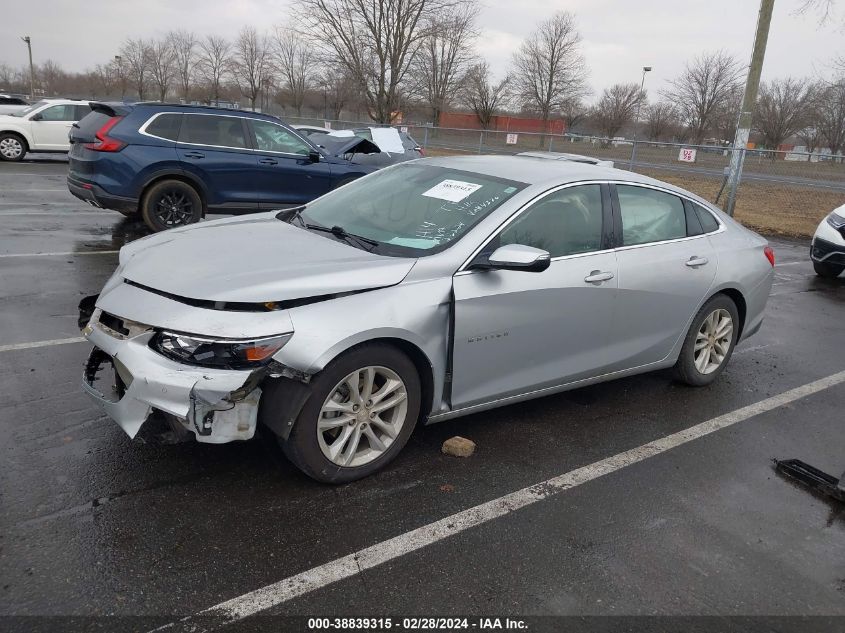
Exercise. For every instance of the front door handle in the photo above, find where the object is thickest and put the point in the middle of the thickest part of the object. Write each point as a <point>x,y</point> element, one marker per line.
<point>598,276</point>
<point>695,262</point>
<point>268,161</point>
<point>194,155</point>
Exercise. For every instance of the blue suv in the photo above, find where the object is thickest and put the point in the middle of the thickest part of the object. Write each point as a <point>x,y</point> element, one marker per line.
<point>175,163</point>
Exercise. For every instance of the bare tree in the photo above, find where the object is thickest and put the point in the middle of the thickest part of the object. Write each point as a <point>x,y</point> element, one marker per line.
<point>824,9</point>
<point>707,83</point>
<point>135,60</point>
<point>726,115</point>
<point>661,120</point>
<point>294,59</point>
<point>338,89</point>
<point>574,112</point>
<point>105,78</point>
<point>375,40</point>
<point>617,107</point>
<point>445,54</point>
<point>481,95</point>
<point>212,63</point>
<point>250,64</point>
<point>781,110</point>
<point>49,75</point>
<point>162,65</point>
<point>549,68</point>
<point>183,44</point>
<point>831,116</point>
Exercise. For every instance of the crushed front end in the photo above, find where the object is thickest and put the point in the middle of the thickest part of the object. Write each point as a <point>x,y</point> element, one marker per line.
<point>129,378</point>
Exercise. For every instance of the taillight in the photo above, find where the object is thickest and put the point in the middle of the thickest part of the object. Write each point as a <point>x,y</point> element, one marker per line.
<point>104,142</point>
<point>770,255</point>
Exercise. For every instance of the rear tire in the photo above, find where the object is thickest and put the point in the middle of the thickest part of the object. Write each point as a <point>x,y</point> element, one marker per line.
<point>828,271</point>
<point>171,203</point>
<point>362,409</point>
<point>710,342</point>
<point>12,147</point>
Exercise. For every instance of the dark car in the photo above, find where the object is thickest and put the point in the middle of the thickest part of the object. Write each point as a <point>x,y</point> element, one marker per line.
<point>396,146</point>
<point>175,163</point>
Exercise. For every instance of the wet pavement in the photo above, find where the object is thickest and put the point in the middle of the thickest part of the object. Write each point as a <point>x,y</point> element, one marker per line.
<point>94,524</point>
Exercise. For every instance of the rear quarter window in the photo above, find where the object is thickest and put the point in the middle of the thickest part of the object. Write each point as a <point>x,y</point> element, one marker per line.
<point>708,222</point>
<point>165,126</point>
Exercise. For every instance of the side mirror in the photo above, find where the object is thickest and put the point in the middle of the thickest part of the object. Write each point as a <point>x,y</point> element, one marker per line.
<point>36,117</point>
<point>314,157</point>
<point>519,257</point>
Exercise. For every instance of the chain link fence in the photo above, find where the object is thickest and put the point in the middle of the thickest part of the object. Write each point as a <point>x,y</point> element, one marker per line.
<point>781,192</point>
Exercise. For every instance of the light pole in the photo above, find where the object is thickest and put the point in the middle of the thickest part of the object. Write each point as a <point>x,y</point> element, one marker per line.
<point>646,69</point>
<point>118,60</point>
<point>28,41</point>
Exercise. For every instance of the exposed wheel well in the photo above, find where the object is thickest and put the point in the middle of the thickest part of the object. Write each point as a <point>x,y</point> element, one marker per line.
<point>736,296</point>
<point>181,178</point>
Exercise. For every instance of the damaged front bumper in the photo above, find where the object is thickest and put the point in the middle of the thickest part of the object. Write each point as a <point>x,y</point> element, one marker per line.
<point>129,380</point>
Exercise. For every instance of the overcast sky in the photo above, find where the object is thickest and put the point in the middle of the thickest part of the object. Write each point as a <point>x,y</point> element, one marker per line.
<point>619,36</point>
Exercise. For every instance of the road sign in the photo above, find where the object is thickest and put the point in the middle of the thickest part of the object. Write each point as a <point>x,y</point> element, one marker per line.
<point>511,139</point>
<point>686,155</point>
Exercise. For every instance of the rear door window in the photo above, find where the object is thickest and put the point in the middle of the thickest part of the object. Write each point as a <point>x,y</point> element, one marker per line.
<point>58,113</point>
<point>213,130</point>
<point>649,215</point>
<point>165,126</point>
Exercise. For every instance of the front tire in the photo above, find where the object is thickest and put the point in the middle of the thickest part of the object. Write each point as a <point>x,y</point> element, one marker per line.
<point>362,409</point>
<point>171,203</point>
<point>828,271</point>
<point>710,342</point>
<point>12,147</point>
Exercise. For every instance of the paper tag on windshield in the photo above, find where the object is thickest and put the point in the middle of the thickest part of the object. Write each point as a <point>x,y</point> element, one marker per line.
<point>452,190</point>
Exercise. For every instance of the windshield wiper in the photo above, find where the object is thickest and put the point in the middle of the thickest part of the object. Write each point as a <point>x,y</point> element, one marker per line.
<point>339,231</point>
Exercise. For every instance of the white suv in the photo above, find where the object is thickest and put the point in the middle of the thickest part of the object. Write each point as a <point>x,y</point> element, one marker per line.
<point>42,127</point>
<point>828,249</point>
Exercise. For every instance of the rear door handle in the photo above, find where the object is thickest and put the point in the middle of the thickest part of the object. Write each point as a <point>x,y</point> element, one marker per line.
<point>194,155</point>
<point>597,276</point>
<point>695,262</point>
<point>268,161</point>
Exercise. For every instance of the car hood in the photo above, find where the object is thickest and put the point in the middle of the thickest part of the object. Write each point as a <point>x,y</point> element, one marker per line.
<point>255,260</point>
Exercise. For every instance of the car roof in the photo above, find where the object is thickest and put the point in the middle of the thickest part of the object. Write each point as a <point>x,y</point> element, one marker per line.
<point>548,173</point>
<point>560,156</point>
<point>203,108</point>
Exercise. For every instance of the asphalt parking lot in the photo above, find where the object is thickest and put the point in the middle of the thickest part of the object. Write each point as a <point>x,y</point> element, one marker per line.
<point>94,524</point>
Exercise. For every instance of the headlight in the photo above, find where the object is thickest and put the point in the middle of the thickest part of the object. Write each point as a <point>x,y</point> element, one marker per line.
<point>223,353</point>
<point>835,220</point>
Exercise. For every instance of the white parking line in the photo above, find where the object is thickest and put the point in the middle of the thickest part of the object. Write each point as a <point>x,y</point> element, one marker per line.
<point>65,254</point>
<point>357,562</point>
<point>51,342</point>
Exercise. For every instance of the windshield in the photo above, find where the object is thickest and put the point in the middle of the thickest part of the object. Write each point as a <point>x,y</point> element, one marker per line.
<point>29,109</point>
<point>412,209</point>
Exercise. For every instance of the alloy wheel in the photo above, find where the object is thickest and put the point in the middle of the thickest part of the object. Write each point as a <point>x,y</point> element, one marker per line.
<point>174,208</point>
<point>362,417</point>
<point>10,147</point>
<point>713,341</point>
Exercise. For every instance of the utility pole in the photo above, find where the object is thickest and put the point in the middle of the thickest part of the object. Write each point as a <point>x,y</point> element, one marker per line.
<point>28,41</point>
<point>752,83</point>
<point>646,69</point>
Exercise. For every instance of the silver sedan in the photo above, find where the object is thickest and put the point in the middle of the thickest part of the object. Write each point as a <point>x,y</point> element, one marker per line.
<point>423,292</point>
